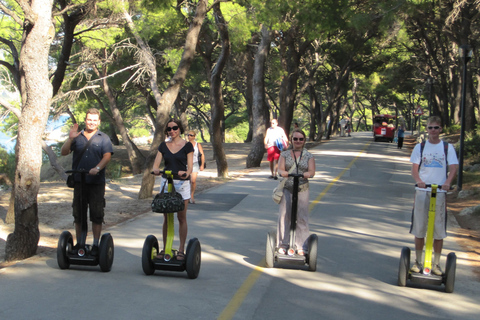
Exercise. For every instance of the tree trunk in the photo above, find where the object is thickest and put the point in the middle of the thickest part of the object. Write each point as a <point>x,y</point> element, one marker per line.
<point>135,156</point>
<point>257,151</point>
<point>218,106</point>
<point>36,91</point>
<point>165,102</point>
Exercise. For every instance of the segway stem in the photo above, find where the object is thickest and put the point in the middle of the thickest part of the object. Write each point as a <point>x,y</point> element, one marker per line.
<point>293,222</point>
<point>169,217</point>
<point>83,207</point>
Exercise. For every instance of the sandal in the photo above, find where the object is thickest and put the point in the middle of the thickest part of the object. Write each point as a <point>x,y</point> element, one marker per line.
<point>161,255</point>
<point>180,256</point>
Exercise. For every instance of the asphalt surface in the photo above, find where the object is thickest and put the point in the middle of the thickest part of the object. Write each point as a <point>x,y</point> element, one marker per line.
<point>361,200</point>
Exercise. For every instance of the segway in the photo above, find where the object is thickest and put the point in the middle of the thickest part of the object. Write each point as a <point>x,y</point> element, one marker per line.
<point>66,255</point>
<point>425,276</point>
<point>310,258</point>
<point>169,262</point>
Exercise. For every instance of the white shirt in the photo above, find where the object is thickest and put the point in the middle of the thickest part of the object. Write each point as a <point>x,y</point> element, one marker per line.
<point>433,166</point>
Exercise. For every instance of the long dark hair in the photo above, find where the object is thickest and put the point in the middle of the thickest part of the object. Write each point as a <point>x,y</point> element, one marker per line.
<point>177,122</point>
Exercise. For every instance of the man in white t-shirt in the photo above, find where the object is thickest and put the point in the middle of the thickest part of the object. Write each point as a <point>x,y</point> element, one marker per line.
<point>273,153</point>
<point>430,167</point>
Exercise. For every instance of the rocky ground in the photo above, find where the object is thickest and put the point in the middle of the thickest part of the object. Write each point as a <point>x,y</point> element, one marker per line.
<point>54,202</point>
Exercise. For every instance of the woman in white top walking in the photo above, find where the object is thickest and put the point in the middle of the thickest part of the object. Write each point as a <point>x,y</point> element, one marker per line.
<point>197,150</point>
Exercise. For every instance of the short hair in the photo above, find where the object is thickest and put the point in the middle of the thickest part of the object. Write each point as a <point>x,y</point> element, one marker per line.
<point>435,119</point>
<point>299,131</point>
<point>177,122</point>
<point>192,132</point>
<point>93,111</point>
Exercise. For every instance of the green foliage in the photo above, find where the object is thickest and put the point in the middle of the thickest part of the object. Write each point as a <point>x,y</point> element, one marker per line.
<point>238,133</point>
<point>7,163</point>
<point>472,144</point>
<point>454,128</point>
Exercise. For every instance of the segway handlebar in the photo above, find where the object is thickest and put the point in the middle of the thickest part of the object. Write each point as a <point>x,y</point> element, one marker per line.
<point>296,175</point>
<point>429,186</point>
<point>77,171</point>
<point>169,172</point>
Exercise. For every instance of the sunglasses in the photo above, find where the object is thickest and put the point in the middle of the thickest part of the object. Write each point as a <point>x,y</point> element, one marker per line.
<point>191,135</point>
<point>433,127</point>
<point>298,139</point>
<point>172,128</point>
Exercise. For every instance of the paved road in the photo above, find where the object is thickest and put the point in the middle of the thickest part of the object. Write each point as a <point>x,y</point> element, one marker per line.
<point>361,203</point>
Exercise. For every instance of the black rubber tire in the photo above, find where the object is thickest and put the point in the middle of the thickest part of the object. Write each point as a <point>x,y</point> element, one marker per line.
<point>65,244</point>
<point>193,258</point>
<point>150,243</point>
<point>312,252</point>
<point>270,249</point>
<point>106,252</point>
<point>404,267</point>
<point>450,270</point>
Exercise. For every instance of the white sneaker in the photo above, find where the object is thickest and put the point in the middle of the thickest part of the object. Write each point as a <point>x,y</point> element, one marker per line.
<point>436,270</point>
<point>417,267</point>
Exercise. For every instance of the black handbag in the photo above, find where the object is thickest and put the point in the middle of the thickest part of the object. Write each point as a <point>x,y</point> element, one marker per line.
<point>200,161</point>
<point>168,202</point>
<point>70,181</point>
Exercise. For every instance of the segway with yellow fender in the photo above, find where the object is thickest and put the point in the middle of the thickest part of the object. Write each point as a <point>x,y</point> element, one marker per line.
<point>169,203</point>
<point>425,276</point>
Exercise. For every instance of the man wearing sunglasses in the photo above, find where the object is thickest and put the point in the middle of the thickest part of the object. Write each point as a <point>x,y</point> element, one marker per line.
<point>433,162</point>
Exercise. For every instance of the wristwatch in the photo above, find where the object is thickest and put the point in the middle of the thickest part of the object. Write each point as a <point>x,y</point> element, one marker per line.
<point>98,168</point>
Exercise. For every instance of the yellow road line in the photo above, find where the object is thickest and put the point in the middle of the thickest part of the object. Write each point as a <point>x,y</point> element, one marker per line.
<point>320,196</point>
<point>241,293</point>
<point>247,285</point>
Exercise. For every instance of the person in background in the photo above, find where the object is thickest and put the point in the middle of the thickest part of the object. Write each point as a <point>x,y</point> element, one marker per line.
<point>93,158</point>
<point>400,136</point>
<point>273,153</point>
<point>434,165</point>
<point>197,150</point>
<point>178,156</point>
<point>304,162</point>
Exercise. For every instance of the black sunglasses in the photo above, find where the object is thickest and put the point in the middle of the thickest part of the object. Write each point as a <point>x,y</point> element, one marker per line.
<point>191,135</point>
<point>298,139</point>
<point>433,127</point>
<point>172,128</point>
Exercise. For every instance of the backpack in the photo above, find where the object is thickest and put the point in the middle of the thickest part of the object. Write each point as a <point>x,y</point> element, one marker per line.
<point>445,149</point>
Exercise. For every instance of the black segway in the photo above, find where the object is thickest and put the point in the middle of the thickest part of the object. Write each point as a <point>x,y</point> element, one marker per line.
<point>425,276</point>
<point>83,255</point>
<point>310,257</point>
<point>150,261</point>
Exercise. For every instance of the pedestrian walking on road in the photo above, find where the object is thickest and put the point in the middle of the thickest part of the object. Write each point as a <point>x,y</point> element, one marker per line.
<point>303,163</point>
<point>197,167</point>
<point>274,135</point>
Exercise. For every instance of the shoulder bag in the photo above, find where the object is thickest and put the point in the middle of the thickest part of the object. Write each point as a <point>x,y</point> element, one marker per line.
<point>168,202</point>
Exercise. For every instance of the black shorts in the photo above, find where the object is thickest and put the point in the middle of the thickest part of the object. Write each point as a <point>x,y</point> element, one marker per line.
<point>94,201</point>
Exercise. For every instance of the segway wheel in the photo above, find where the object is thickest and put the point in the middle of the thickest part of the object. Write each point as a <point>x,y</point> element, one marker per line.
<point>65,244</point>
<point>312,252</point>
<point>193,258</point>
<point>270,249</point>
<point>106,252</point>
<point>403,267</point>
<point>450,272</point>
<point>150,250</point>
